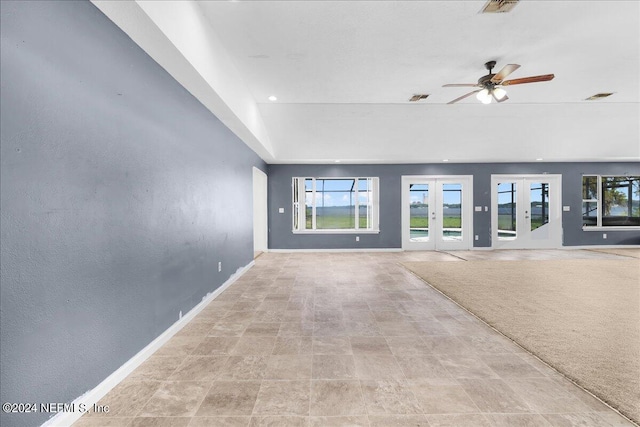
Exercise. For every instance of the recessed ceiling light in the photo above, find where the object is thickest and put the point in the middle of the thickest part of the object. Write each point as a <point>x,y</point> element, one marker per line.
<point>599,96</point>
<point>338,161</point>
<point>539,159</point>
<point>273,98</point>
<point>445,160</point>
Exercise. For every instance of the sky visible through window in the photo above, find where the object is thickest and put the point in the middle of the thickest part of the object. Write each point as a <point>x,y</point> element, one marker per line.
<point>337,192</point>
<point>450,196</point>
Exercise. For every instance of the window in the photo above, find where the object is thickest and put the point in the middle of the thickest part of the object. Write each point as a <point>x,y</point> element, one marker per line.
<point>610,201</point>
<point>335,205</point>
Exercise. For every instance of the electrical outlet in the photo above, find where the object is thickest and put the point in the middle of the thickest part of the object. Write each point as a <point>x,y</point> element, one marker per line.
<point>357,238</point>
<point>604,235</point>
<point>477,237</point>
<point>219,266</point>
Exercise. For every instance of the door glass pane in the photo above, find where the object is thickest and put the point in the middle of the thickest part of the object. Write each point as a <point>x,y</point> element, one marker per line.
<point>419,212</point>
<point>507,209</point>
<point>539,199</point>
<point>452,212</point>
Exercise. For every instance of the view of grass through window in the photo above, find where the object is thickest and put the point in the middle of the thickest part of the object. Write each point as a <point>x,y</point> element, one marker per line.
<point>334,203</point>
<point>507,208</point>
<point>420,207</point>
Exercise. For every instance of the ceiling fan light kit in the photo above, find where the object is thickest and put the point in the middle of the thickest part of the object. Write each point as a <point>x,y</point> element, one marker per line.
<point>484,96</point>
<point>499,93</point>
<point>491,85</point>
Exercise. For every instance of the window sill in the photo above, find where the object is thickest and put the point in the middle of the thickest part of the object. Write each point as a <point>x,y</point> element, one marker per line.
<point>336,231</point>
<point>612,228</point>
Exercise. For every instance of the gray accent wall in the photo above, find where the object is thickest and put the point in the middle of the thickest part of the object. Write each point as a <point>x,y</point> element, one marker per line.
<point>120,193</point>
<point>280,176</point>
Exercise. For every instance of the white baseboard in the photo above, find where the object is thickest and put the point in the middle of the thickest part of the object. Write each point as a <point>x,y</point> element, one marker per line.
<point>577,247</point>
<point>93,396</point>
<point>288,251</point>
<point>479,248</point>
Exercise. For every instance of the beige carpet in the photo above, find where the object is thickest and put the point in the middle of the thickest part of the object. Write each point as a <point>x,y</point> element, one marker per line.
<point>580,316</point>
<point>630,252</point>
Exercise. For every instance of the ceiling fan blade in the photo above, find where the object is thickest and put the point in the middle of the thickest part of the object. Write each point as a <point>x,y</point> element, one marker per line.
<point>464,96</point>
<point>504,98</point>
<point>462,85</point>
<point>532,79</point>
<point>506,70</point>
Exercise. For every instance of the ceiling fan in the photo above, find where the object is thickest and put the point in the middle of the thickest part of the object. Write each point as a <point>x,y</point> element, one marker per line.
<point>491,85</point>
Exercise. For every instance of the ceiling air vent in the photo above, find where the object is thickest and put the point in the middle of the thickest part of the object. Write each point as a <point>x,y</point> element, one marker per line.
<point>499,6</point>
<point>415,98</point>
<point>599,96</point>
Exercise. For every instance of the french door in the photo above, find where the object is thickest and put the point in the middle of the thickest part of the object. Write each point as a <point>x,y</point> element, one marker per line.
<point>526,211</point>
<point>436,212</point>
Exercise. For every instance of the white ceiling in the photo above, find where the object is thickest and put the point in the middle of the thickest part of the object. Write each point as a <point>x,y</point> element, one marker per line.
<point>343,72</point>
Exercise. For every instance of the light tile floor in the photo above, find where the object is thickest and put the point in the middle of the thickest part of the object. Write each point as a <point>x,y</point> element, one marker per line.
<point>347,339</point>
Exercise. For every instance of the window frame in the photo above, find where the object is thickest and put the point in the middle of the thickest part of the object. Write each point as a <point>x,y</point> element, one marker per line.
<point>600,205</point>
<point>299,220</point>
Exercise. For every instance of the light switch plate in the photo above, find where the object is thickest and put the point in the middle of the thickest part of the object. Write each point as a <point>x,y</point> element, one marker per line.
<point>478,209</point>
<point>280,210</point>
<point>566,208</point>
